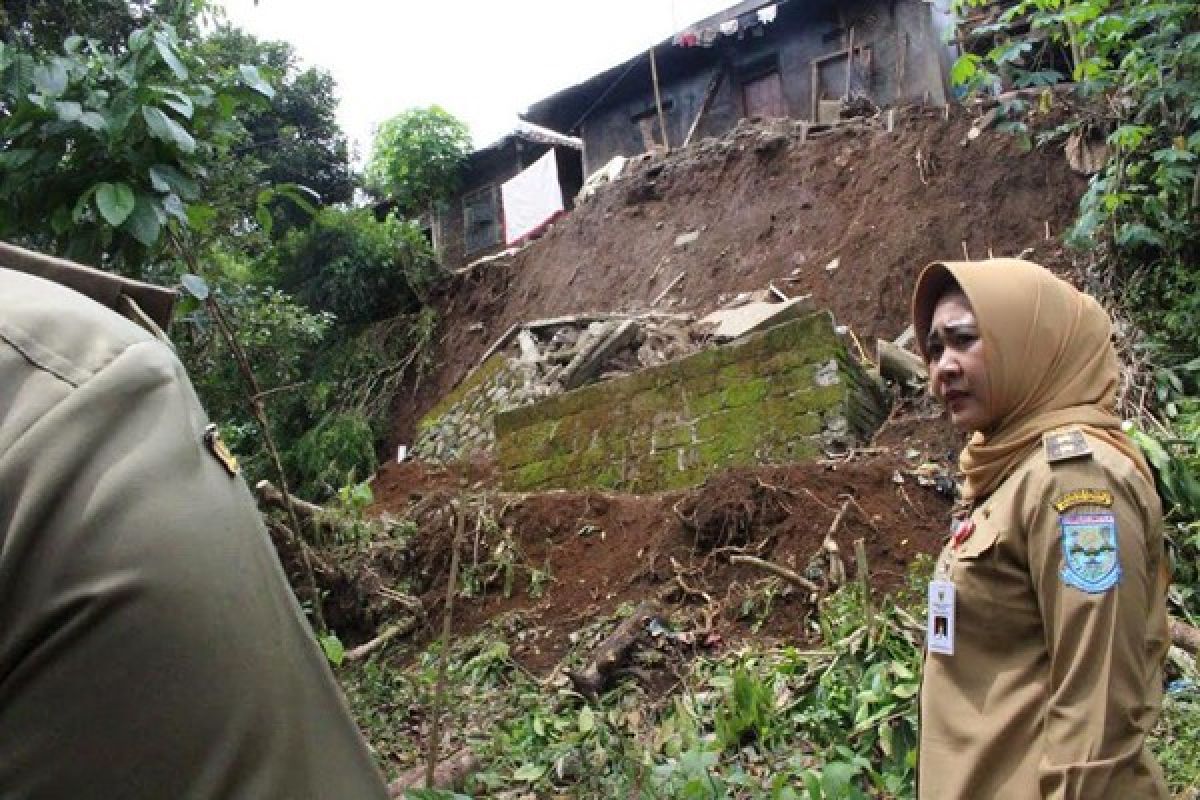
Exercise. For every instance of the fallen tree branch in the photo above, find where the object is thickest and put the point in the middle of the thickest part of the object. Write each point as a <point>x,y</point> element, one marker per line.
<point>270,495</point>
<point>1184,636</point>
<point>788,575</point>
<point>450,773</point>
<point>612,653</point>
<point>391,632</point>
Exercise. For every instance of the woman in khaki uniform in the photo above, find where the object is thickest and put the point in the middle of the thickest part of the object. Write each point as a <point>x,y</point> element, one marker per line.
<point>1047,627</point>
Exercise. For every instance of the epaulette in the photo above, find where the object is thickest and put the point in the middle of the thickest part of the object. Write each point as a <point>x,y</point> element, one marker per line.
<point>148,305</point>
<point>1066,444</point>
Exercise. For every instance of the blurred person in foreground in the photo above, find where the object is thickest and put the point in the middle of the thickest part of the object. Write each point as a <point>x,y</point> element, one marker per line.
<point>150,647</point>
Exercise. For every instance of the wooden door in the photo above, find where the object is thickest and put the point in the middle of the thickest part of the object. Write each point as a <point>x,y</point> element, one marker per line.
<point>764,96</point>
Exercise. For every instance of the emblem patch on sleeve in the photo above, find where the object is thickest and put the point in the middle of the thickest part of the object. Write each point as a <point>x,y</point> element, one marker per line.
<point>1089,545</point>
<point>1083,497</point>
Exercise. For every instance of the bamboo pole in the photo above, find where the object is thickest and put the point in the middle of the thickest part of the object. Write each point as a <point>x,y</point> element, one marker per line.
<point>662,118</point>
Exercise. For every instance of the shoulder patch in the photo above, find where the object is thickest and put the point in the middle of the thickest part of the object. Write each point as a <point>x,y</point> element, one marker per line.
<point>1083,497</point>
<point>1065,445</point>
<point>1089,547</point>
<point>220,451</point>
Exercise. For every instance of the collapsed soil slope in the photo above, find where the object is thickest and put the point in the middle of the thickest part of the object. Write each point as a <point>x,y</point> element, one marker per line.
<point>770,206</point>
<point>848,217</point>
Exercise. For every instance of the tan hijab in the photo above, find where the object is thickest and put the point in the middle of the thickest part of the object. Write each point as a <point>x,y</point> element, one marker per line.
<point>1049,358</point>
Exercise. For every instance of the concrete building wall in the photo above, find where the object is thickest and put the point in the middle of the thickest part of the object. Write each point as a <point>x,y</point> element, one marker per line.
<point>908,63</point>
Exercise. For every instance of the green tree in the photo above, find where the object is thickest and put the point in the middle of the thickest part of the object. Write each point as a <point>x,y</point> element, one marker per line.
<point>103,150</point>
<point>416,157</point>
<point>293,141</point>
<point>357,267</point>
<point>46,24</point>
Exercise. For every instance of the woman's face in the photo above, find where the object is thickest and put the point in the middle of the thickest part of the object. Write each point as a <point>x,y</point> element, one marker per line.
<point>957,372</point>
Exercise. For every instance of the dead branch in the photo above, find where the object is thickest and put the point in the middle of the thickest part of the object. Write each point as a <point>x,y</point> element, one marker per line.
<point>449,774</point>
<point>864,582</point>
<point>270,495</point>
<point>612,653</point>
<point>391,632</point>
<point>667,290</point>
<point>1184,636</point>
<point>435,734</point>
<point>303,550</point>
<point>778,571</point>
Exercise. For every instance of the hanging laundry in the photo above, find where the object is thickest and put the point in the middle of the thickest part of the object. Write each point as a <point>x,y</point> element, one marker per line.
<point>767,15</point>
<point>532,199</point>
<point>729,27</point>
<point>708,36</point>
<point>690,39</point>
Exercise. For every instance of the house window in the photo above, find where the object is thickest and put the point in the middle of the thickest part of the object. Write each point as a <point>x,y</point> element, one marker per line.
<point>481,218</point>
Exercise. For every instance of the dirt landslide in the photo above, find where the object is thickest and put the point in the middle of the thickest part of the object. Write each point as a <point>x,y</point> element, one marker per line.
<point>541,566</point>
<point>848,217</point>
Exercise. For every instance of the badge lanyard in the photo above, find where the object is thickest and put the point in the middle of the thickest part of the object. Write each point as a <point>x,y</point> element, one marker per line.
<point>939,633</point>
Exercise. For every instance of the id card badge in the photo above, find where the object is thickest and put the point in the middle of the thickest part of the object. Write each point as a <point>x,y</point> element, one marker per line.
<point>940,625</point>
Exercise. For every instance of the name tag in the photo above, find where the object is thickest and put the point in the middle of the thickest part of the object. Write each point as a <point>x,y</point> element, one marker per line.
<point>940,625</point>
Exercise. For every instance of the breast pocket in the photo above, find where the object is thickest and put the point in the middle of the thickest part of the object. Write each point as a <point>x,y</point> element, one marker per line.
<point>991,574</point>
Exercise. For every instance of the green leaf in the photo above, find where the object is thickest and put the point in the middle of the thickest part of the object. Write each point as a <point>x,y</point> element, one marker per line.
<point>145,223</point>
<point>194,285</point>
<point>169,56</point>
<point>264,218</point>
<point>529,772</point>
<point>51,79</point>
<point>168,130</point>
<point>15,159</point>
<point>166,178</point>
<point>253,79</point>
<point>176,100</point>
<point>139,39</point>
<point>68,110</point>
<point>173,206</point>
<point>587,720</point>
<point>964,69</point>
<point>72,43</point>
<point>334,650</point>
<point>116,202</point>
<point>94,120</point>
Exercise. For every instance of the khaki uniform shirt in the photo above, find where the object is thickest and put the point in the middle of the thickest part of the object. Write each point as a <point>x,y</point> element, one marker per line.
<point>1056,676</point>
<point>150,648</point>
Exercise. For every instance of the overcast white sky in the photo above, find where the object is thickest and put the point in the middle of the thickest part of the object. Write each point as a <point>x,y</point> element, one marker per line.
<point>482,60</point>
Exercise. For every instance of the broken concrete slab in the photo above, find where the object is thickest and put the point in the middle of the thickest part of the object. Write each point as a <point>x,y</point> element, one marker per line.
<point>734,323</point>
<point>684,239</point>
<point>899,364</point>
<point>591,358</point>
<point>529,349</point>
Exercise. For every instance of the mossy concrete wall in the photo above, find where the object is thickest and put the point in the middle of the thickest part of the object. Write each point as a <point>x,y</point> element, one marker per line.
<point>779,396</point>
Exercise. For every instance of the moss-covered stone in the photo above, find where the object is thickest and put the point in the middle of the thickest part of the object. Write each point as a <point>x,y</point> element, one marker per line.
<point>475,380</point>
<point>747,392</point>
<point>673,425</point>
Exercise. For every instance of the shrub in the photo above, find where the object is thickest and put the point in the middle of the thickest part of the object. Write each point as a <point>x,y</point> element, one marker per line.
<point>357,267</point>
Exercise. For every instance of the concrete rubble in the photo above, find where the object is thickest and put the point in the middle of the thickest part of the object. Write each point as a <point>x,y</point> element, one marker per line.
<point>543,358</point>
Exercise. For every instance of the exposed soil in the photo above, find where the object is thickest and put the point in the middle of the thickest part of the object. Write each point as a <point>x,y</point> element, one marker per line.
<point>770,209</point>
<point>597,550</point>
<point>850,218</point>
